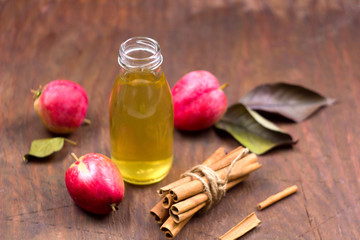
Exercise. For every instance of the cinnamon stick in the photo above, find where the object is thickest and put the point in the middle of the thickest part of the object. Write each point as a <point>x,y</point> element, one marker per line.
<point>165,190</point>
<point>167,201</point>
<point>216,156</point>
<point>227,160</point>
<point>242,171</point>
<point>198,199</point>
<point>183,216</point>
<point>194,187</point>
<point>276,197</point>
<point>171,228</point>
<point>189,203</point>
<point>179,221</point>
<point>159,212</point>
<point>235,182</point>
<point>241,228</point>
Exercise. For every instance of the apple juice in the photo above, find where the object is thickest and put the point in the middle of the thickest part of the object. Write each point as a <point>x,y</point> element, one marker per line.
<point>141,125</point>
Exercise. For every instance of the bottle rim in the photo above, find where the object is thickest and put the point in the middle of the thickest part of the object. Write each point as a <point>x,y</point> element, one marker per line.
<point>131,51</point>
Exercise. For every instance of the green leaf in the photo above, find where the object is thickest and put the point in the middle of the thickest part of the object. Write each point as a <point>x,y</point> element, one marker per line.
<point>252,130</point>
<point>41,148</point>
<point>292,101</point>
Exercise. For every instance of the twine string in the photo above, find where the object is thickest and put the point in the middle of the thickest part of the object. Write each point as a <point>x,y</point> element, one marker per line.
<point>214,187</point>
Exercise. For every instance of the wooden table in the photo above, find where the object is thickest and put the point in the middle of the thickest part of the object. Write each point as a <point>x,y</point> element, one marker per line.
<point>243,42</point>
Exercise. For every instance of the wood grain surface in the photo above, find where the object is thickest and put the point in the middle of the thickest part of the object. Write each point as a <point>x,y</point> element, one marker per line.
<point>315,43</point>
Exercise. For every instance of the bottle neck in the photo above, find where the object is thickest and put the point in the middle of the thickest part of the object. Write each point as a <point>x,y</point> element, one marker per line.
<point>132,74</point>
<point>140,54</point>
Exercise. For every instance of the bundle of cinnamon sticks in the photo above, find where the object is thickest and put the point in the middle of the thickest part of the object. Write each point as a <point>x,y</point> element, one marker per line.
<point>185,197</point>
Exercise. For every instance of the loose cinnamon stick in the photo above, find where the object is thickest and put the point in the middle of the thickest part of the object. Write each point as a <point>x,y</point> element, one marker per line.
<point>216,156</point>
<point>159,212</point>
<point>167,201</point>
<point>194,187</point>
<point>171,228</point>
<point>276,197</point>
<point>241,228</point>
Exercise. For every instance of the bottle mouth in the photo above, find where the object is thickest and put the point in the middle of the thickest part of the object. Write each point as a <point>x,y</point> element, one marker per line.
<point>140,53</point>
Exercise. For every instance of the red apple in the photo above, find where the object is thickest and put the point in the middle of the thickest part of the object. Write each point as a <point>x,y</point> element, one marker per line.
<point>61,105</point>
<point>95,183</point>
<point>199,101</point>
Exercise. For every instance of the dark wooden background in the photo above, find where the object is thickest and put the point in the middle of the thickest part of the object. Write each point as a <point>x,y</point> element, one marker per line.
<point>243,42</point>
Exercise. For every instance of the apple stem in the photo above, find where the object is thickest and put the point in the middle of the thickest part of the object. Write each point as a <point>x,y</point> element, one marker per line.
<point>74,156</point>
<point>87,121</point>
<point>114,207</point>
<point>36,92</point>
<point>223,86</point>
<point>70,141</point>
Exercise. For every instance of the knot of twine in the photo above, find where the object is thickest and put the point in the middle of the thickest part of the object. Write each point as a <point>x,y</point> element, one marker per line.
<point>216,187</point>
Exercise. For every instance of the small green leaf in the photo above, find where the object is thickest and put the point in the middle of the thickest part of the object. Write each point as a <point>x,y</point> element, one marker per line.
<point>41,148</point>
<point>252,130</point>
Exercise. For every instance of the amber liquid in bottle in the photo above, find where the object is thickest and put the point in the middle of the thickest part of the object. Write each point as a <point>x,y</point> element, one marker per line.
<point>141,126</point>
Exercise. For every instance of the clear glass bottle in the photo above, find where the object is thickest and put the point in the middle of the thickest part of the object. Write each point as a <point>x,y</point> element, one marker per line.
<point>141,114</point>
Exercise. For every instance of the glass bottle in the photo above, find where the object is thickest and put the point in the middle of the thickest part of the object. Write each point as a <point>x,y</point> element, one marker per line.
<point>141,114</point>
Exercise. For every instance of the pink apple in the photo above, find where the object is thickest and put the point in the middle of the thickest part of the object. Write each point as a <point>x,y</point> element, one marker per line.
<point>199,101</point>
<point>95,183</point>
<point>61,105</point>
